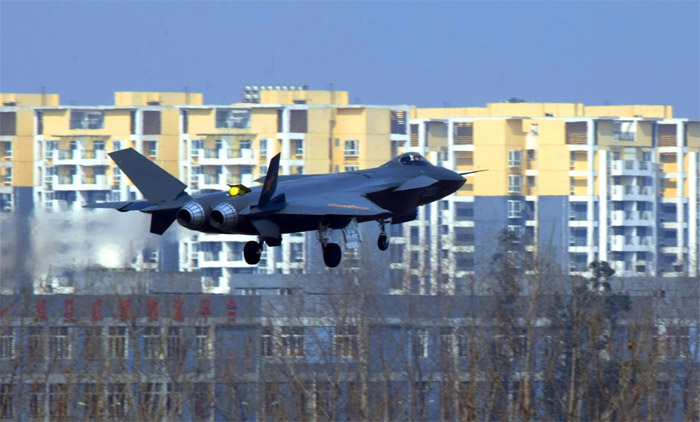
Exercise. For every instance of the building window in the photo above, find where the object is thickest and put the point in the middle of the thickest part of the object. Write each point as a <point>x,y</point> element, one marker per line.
<point>463,337</point>
<point>515,209</point>
<point>7,343</point>
<point>117,342</point>
<point>298,145</point>
<point>116,400</point>
<point>93,343</point>
<point>515,158</point>
<point>7,178</point>
<point>58,401</point>
<point>151,122</point>
<point>296,252</point>
<point>152,398</point>
<point>150,148</point>
<point>7,150</point>
<point>352,147</point>
<point>292,342</point>
<point>232,118</point>
<point>624,131</point>
<point>263,147</point>
<point>173,400</point>
<point>35,343</point>
<point>398,122</point>
<point>351,168</point>
<point>201,400</point>
<point>420,343</point>
<point>517,232</point>
<point>447,342</point>
<point>175,349</point>
<point>298,121</point>
<point>151,343</point>
<point>267,342</point>
<point>93,399</point>
<point>37,400</point>
<point>203,346</point>
<point>515,183</point>
<point>346,341</point>
<point>80,119</point>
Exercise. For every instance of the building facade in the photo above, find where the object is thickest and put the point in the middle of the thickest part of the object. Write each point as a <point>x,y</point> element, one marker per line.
<point>571,183</point>
<point>202,357</point>
<point>568,181</point>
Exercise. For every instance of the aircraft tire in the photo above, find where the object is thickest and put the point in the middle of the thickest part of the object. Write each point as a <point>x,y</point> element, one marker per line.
<point>251,252</point>
<point>332,255</point>
<point>383,242</point>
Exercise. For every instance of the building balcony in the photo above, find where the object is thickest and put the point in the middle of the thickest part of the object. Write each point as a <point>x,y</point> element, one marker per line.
<point>208,259</point>
<point>631,218</point>
<point>631,168</point>
<point>622,243</point>
<point>631,193</point>
<point>98,182</point>
<point>71,182</point>
<point>87,157</point>
<point>226,156</point>
<point>211,181</point>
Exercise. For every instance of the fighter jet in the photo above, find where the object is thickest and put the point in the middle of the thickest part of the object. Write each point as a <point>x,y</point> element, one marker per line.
<point>388,194</point>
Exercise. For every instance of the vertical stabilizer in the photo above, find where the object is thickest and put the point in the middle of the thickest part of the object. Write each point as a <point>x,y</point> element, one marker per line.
<point>270,184</point>
<point>156,184</point>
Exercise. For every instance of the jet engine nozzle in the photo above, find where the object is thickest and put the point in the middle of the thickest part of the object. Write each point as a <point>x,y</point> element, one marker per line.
<point>193,215</point>
<point>224,217</point>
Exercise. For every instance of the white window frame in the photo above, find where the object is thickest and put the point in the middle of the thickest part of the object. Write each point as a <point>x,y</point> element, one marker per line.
<point>59,342</point>
<point>292,342</point>
<point>352,148</point>
<point>7,343</point>
<point>118,342</point>
<point>7,150</point>
<point>347,169</point>
<point>262,147</point>
<point>515,183</point>
<point>203,342</point>
<point>152,347</point>
<point>515,158</point>
<point>298,147</point>
<point>346,341</point>
<point>420,343</point>
<point>515,209</point>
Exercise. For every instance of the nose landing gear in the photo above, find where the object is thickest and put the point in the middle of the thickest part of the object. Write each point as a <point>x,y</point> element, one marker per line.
<point>383,240</point>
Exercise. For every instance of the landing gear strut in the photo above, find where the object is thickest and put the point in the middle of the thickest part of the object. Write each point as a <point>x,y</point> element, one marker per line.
<point>252,251</point>
<point>383,240</point>
<point>332,253</point>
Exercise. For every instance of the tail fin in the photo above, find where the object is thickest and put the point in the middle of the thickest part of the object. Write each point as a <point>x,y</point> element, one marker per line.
<point>156,184</point>
<point>270,185</point>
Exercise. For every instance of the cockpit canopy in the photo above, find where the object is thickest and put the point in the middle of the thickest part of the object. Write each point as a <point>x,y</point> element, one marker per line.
<point>413,159</point>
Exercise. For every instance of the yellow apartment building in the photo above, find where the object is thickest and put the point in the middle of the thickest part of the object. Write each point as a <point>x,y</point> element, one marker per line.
<point>581,183</point>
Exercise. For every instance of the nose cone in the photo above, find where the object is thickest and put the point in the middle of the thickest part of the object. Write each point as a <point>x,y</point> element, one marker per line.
<point>451,181</point>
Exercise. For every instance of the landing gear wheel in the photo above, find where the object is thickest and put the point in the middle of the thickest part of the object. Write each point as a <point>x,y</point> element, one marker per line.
<point>383,242</point>
<point>332,255</point>
<point>251,252</point>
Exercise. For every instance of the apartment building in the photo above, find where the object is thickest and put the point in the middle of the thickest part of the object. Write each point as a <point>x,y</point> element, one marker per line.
<point>208,147</point>
<point>569,182</point>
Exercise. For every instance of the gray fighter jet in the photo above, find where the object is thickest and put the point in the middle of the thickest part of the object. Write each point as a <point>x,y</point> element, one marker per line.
<point>389,193</point>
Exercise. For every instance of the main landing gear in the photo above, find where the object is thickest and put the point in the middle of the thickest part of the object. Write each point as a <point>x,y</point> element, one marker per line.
<point>332,254</point>
<point>383,240</point>
<point>252,251</point>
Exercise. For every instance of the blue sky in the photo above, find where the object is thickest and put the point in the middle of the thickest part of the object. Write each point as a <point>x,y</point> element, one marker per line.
<point>422,53</point>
